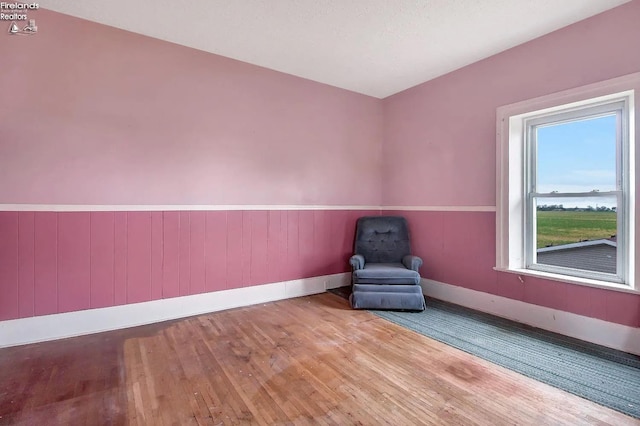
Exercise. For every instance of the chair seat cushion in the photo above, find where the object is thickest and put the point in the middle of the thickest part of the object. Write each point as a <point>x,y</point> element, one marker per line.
<point>385,273</point>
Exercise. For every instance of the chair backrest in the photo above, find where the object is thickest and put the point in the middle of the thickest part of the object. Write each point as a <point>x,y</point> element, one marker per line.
<point>382,239</point>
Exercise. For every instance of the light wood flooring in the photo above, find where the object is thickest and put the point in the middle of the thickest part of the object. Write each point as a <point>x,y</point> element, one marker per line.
<point>310,360</point>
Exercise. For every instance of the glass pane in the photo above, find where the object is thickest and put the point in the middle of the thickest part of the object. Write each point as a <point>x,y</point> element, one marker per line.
<point>577,156</point>
<point>577,233</point>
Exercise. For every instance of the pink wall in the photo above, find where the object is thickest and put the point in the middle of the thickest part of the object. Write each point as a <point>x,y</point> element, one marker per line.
<point>439,150</point>
<point>59,262</point>
<point>96,115</point>
<point>439,145</point>
<point>459,248</point>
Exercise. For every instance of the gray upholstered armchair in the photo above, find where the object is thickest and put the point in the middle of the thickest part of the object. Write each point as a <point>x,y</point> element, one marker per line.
<point>385,274</point>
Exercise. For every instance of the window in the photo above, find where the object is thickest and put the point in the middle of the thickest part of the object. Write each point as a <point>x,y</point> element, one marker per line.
<point>576,198</point>
<point>565,185</point>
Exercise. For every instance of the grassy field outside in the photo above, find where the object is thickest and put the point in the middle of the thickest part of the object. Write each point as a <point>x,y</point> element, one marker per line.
<point>564,227</point>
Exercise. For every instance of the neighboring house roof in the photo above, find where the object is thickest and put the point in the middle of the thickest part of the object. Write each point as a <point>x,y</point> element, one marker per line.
<point>577,245</point>
<point>596,255</point>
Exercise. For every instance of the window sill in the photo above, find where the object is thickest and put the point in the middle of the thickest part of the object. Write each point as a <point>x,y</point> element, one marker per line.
<point>571,280</point>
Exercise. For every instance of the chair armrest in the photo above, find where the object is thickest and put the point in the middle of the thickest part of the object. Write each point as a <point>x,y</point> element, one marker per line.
<point>412,262</point>
<point>357,261</point>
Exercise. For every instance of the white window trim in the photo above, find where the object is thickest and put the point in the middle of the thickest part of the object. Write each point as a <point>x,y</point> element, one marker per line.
<point>620,107</point>
<point>510,177</point>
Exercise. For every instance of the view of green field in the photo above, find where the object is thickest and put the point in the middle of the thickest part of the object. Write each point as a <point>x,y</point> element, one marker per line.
<point>564,227</point>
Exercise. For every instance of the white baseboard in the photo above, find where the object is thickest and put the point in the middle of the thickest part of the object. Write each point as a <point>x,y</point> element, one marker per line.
<point>339,280</point>
<point>58,326</point>
<point>593,330</point>
<point>70,324</point>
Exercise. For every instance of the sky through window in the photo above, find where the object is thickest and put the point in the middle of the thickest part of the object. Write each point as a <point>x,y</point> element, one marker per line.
<point>578,156</point>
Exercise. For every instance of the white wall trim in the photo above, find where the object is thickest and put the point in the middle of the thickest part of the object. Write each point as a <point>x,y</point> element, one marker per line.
<point>224,207</point>
<point>593,330</point>
<point>58,326</point>
<point>442,208</point>
<point>169,207</point>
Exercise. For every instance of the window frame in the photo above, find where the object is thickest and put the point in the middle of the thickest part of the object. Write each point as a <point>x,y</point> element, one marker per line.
<point>514,225</point>
<point>619,108</point>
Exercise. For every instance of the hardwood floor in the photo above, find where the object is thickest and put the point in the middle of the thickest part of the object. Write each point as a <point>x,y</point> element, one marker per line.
<point>310,360</point>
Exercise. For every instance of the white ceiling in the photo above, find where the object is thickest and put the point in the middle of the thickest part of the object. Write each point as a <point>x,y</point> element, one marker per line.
<point>374,47</point>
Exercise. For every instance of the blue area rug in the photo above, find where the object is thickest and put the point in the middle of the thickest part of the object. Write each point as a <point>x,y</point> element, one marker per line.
<point>602,375</point>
